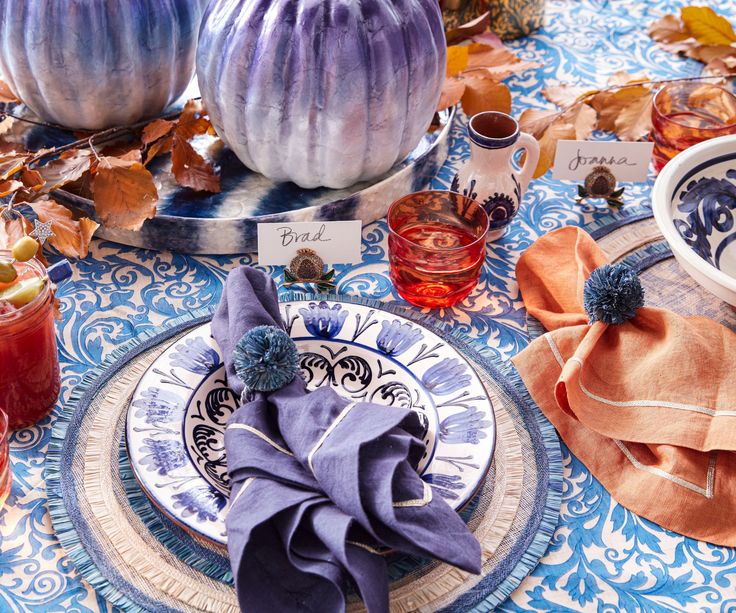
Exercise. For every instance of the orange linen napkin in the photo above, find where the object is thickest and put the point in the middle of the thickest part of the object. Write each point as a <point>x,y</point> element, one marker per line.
<point>648,405</point>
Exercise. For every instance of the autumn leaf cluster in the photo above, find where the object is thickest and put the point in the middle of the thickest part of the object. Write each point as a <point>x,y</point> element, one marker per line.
<point>624,106</point>
<point>699,33</point>
<point>115,176</point>
<point>477,63</point>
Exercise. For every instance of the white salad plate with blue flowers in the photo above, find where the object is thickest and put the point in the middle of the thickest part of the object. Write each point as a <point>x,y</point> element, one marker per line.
<point>178,413</point>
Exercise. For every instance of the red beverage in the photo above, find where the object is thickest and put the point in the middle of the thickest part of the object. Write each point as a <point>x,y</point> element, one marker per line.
<point>5,475</point>
<point>29,364</point>
<point>687,113</point>
<point>436,247</point>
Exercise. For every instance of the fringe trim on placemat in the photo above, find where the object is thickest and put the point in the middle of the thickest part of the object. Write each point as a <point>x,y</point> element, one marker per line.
<point>169,535</point>
<point>58,503</point>
<point>551,512</point>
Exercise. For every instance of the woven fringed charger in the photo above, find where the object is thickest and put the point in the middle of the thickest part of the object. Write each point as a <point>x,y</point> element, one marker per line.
<point>139,560</point>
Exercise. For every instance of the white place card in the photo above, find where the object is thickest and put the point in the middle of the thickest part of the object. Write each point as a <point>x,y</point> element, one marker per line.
<point>336,242</point>
<point>627,161</point>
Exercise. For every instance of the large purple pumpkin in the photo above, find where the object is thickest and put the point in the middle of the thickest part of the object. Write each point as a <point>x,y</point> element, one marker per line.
<point>94,64</point>
<point>321,92</point>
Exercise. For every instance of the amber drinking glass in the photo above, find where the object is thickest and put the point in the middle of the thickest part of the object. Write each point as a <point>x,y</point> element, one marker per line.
<point>686,113</point>
<point>5,476</point>
<point>436,247</point>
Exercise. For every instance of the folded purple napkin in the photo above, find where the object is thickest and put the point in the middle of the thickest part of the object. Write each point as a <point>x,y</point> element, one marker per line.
<point>320,485</point>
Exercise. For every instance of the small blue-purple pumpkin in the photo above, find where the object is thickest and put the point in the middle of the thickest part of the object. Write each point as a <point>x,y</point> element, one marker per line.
<point>93,64</point>
<point>321,92</point>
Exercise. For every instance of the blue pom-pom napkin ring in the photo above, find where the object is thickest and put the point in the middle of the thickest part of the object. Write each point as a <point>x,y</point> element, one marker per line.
<point>612,294</point>
<point>266,359</point>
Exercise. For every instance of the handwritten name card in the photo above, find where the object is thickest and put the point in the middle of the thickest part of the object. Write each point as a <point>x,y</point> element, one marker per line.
<point>336,242</point>
<point>627,161</point>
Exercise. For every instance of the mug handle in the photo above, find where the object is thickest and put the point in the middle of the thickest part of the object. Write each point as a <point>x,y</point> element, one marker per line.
<point>531,146</point>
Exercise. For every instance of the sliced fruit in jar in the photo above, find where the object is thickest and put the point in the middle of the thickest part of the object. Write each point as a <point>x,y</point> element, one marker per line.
<point>7,272</point>
<point>24,249</point>
<point>23,292</point>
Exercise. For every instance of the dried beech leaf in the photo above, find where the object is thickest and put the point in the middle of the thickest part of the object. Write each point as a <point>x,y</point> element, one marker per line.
<point>124,194</point>
<point>193,120</point>
<point>611,104</point>
<point>11,163</point>
<point>133,155</point>
<point>707,54</point>
<point>156,130</point>
<point>68,167</point>
<point>498,63</point>
<point>671,34</point>
<point>468,30</point>
<point>160,147</point>
<point>583,119</point>
<point>558,130</point>
<point>6,94</point>
<point>485,94</point>
<point>9,186</point>
<point>624,78</point>
<point>191,169</point>
<point>707,27</point>
<point>565,95</point>
<point>457,60</point>
<point>536,121</point>
<point>72,237</point>
<point>32,181</point>
<point>635,119</point>
<point>719,66</point>
<point>452,90</point>
<point>13,230</point>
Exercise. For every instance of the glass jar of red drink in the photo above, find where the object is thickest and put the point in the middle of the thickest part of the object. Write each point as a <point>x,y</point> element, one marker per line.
<point>30,381</point>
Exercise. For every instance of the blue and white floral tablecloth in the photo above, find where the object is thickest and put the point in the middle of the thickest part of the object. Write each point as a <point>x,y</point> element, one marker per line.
<point>602,558</point>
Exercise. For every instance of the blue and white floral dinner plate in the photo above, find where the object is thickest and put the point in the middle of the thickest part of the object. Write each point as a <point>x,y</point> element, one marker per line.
<point>178,413</point>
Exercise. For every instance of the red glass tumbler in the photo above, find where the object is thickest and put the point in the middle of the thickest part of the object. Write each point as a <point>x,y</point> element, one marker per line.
<point>685,113</point>
<point>436,247</point>
<point>29,385</point>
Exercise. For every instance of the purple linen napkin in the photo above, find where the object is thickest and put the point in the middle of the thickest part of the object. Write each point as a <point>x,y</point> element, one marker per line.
<point>320,484</point>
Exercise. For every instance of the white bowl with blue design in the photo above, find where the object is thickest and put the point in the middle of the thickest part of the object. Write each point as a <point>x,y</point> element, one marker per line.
<point>694,203</point>
<point>178,413</point>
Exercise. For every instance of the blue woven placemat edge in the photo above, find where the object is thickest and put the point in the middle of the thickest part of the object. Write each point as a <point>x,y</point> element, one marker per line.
<point>61,494</point>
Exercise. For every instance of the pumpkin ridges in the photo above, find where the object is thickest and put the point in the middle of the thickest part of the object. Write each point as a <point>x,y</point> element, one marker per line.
<point>425,20</point>
<point>317,130</point>
<point>296,59</point>
<point>62,57</point>
<point>237,69</point>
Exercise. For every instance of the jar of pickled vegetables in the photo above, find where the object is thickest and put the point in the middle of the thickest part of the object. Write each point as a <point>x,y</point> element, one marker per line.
<point>29,364</point>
